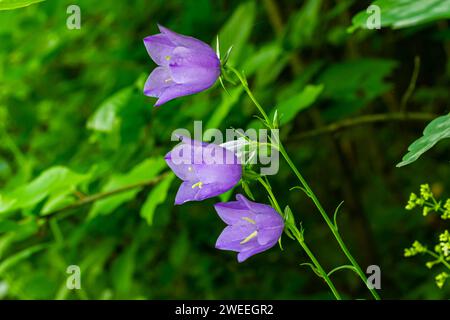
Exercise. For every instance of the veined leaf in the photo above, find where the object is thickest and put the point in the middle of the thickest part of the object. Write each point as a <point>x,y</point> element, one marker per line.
<point>435,131</point>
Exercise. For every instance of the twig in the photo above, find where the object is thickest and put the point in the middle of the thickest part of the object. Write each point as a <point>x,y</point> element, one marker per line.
<point>105,194</point>
<point>367,119</point>
<point>412,84</point>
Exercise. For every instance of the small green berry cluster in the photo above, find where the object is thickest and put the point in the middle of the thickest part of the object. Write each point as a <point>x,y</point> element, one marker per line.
<point>428,203</point>
<point>441,253</point>
<point>441,278</point>
<point>415,249</point>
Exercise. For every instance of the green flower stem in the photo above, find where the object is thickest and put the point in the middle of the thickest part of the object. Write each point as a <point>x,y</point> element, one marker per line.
<point>306,186</point>
<point>299,237</point>
<point>330,225</point>
<point>439,258</point>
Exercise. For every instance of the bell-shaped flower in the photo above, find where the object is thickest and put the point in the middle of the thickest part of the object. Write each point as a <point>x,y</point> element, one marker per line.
<point>252,227</point>
<point>207,170</point>
<point>185,66</point>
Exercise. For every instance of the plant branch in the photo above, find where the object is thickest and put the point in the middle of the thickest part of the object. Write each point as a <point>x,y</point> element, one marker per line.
<point>101,195</point>
<point>362,120</point>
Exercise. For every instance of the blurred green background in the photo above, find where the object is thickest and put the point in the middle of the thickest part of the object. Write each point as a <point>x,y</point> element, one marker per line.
<point>74,123</point>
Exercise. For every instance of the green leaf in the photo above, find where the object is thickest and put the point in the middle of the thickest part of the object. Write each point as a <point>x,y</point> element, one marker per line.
<point>435,131</point>
<point>289,216</point>
<point>105,118</point>
<point>15,4</point>
<point>404,13</point>
<point>364,81</point>
<point>304,23</point>
<point>54,181</point>
<point>237,30</point>
<point>157,196</point>
<point>122,271</point>
<point>146,170</point>
<point>288,109</point>
<point>22,255</point>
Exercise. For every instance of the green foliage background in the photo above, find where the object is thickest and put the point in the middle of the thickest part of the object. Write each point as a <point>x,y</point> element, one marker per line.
<point>74,123</point>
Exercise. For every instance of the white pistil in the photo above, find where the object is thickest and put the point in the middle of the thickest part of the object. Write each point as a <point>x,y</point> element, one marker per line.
<point>198,184</point>
<point>250,237</point>
<point>249,220</point>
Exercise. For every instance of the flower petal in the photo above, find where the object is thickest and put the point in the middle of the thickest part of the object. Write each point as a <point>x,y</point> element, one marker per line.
<point>232,212</point>
<point>245,254</point>
<point>186,193</point>
<point>183,170</point>
<point>254,206</point>
<point>193,191</point>
<point>182,40</point>
<point>190,66</point>
<point>177,90</point>
<point>232,236</point>
<point>159,48</point>
<point>269,235</point>
<point>219,165</point>
<point>158,81</point>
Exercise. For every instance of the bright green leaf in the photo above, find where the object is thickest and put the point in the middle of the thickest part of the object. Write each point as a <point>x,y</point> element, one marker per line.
<point>56,180</point>
<point>106,118</point>
<point>146,170</point>
<point>15,4</point>
<point>237,30</point>
<point>304,99</point>
<point>435,131</point>
<point>155,197</point>
<point>404,13</point>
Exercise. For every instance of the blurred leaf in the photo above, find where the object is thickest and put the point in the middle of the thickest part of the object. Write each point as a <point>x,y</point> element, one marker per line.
<point>54,181</point>
<point>405,13</point>
<point>352,84</point>
<point>221,112</point>
<point>435,131</point>
<point>179,249</point>
<point>237,30</point>
<point>156,196</point>
<point>122,271</point>
<point>105,118</point>
<point>288,109</point>
<point>16,258</point>
<point>15,4</point>
<point>146,170</point>
<point>304,23</point>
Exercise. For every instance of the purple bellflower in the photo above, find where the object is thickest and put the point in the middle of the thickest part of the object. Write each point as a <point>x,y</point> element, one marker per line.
<point>207,170</point>
<point>185,66</point>
<point>252,227</point>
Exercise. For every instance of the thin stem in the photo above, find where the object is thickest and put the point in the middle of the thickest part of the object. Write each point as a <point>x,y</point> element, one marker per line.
<point>249,93</point>
<point>302,243</point>
<point>362,120</point>
<point>307,188</point>
<point>327,221</point>
<point>101,195</point>
<point>439,258</point>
